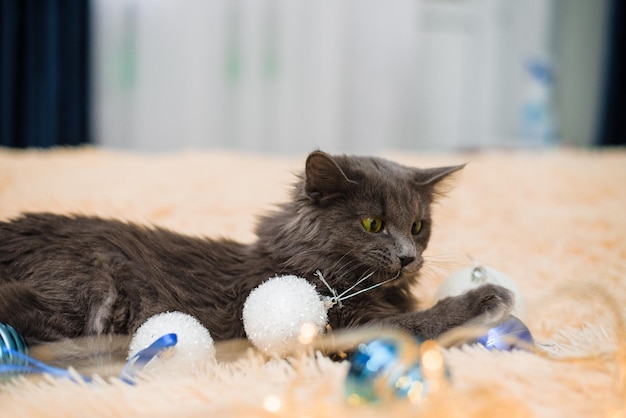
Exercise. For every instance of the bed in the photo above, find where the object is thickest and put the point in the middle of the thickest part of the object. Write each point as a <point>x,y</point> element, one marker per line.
<point>553,220</point>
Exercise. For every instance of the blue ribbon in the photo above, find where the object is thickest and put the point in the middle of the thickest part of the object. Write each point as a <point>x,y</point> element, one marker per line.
<point>137,362</point>
<point>134,365</point>
<point>30,365</point>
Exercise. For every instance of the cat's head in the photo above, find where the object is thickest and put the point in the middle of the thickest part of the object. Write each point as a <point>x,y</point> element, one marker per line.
<point>351,216</point>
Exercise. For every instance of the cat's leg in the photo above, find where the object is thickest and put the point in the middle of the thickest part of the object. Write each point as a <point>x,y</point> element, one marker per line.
<point>26,311</point>
<point>485,305</point>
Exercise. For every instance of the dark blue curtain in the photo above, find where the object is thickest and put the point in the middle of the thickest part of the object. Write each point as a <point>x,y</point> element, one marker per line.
<point>613,117</point>
<point>44,73</point>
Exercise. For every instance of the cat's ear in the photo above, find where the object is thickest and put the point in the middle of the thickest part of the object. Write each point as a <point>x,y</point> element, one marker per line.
<point>434,178</point>
<point>323,177</point>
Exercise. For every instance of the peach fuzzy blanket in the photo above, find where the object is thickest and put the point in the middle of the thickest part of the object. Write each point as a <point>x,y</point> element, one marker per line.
<point>554,221</point>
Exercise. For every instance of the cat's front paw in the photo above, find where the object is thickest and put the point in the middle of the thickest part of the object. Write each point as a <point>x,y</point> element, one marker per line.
<point>489,304</point>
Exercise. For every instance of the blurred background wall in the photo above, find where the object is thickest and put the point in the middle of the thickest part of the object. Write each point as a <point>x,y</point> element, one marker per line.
<point>346,76</point>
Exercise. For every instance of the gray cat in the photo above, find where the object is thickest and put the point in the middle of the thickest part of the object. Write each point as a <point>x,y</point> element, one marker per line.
<point>348,217</point>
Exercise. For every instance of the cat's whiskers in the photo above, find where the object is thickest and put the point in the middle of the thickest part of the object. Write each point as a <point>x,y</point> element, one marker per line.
<point>295,259</point>
<point>446,260</point>
<point>429,273</point>
<point>340,271</point>
<point>286,265</point>
<point>436,264</point>
<point>347,269</point>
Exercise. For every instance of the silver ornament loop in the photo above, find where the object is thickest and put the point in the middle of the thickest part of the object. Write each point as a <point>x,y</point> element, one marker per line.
<point>479,274</point>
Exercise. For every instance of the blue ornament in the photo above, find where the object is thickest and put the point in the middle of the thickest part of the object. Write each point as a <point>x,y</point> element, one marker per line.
<point>11,343</point>
<point>511,334</point>
<point>378,371</point>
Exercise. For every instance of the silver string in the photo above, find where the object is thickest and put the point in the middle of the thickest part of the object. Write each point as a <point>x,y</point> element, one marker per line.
<point>335,299</point>
<point>338,298</point>
<point>361,280</point>
<point>371,287</point>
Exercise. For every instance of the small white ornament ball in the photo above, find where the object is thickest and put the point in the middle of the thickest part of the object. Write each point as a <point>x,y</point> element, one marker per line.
<point>193,351</point>
<point>276,310</point>
<point>472,277</point>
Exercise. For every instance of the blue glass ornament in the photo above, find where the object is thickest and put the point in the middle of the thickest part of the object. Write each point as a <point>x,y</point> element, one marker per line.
<point>11,342</point>
<point>509,335</point>
<point>378,372</point>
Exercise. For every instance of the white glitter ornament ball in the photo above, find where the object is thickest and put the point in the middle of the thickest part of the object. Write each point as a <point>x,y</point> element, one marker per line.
<point>276,310</point>
<point>193,351</point>
<point>472,277</point>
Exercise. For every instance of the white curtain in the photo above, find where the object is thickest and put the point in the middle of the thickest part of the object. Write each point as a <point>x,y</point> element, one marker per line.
<point>356,76</point>
<point>259,75</point>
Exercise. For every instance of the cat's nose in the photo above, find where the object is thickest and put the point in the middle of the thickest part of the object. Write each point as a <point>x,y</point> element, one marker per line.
<point>406,260</point>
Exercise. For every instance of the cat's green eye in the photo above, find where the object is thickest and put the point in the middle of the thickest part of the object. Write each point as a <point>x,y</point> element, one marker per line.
<point>416,227</point>
<point>372,224</point>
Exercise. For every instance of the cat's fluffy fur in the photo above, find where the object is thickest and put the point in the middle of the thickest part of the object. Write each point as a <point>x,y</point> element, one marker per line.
<point>71,276</point>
